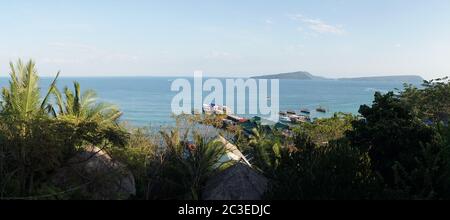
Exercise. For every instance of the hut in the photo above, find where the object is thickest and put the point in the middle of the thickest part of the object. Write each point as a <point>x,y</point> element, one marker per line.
<point>95,175</point>
<point>239,182</point>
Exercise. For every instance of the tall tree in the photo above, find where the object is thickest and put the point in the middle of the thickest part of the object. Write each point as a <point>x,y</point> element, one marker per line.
<point>392,135</point>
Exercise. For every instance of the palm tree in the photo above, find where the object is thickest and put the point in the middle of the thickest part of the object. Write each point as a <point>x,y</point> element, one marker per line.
<point>188,165</point>
<point>266,150</point>
<point>84,106</point>
<point>23,99</point>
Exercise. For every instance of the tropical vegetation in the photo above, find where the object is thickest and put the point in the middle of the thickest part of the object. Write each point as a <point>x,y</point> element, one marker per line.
<point>396,148</point>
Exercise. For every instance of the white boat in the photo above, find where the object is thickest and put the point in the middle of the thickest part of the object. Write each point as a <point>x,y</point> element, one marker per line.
<point>285,119</point>
<point>216,109</point>
<point>218,112</point>
<point>227,110</point>
<point>207,109</point>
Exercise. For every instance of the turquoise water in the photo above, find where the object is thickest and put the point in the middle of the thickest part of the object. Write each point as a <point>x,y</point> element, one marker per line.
<point>147,100</point>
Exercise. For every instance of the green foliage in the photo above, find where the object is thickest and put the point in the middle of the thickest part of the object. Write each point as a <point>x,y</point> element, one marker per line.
<point>266,150</point>
<point>392,135</point>
<point>84,106</point>
<point>430,177</point>
<point>330,171</point>
<point>398,149</point>
<point>31,150</point>
<point>22,99</point>
<point>168,166</point>
<point>33,144</point>
<point>141,154</point>
<point>187,166</point>
<point>324,130</point>
<point>390,153</point>
<point>431,101</point>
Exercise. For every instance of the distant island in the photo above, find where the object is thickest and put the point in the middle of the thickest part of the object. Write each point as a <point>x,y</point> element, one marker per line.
<point>302,75</point>
<point>403,78</point>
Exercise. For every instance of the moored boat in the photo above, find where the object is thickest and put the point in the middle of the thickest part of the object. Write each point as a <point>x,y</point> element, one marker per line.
<point>305,111</point>
<point>290,112</point>
<point>321,110</point>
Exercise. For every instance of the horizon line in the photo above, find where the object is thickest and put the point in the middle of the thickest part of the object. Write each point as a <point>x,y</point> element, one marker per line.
<point>215,76</point>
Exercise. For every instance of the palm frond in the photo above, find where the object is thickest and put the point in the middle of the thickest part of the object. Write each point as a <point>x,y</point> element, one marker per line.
<point>22,98</point>
<point>50,91</point>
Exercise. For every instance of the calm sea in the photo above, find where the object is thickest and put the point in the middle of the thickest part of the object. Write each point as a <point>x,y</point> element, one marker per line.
<point>147,100</point>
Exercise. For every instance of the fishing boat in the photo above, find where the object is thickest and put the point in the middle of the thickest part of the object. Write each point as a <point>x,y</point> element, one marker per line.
<point>321,110</point>
<point>291,112</point>
<point>305,111</point>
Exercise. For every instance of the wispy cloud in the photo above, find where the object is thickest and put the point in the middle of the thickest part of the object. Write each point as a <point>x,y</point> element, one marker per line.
<point>269,21</point>
<point>318,25</point>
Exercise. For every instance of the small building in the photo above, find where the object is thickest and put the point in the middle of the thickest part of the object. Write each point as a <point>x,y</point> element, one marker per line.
<point>239,182</point>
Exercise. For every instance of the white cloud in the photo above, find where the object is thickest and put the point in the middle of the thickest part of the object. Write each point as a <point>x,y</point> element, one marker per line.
<point>269,21</point>
<point>318,25</point>
<point>321,27</point>
<point>295,17</point>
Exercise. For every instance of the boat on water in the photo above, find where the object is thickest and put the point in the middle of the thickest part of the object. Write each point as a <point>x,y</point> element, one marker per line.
<point>285,119</point>
<point>321,110</point>
<point>216,109</point>
<point>290,112</point>
<point>236,119</point>
<point>291,117</point>
<point>305,111</point>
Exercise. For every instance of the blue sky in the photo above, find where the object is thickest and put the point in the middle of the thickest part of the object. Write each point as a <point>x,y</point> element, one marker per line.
<point>334,38</point>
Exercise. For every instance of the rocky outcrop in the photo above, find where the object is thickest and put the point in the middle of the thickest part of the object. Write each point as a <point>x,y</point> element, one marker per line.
<point>93,174</point>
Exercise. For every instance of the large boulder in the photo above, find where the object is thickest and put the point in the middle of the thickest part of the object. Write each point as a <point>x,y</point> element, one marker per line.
<point>93,174</point>
<point>239,182</point>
